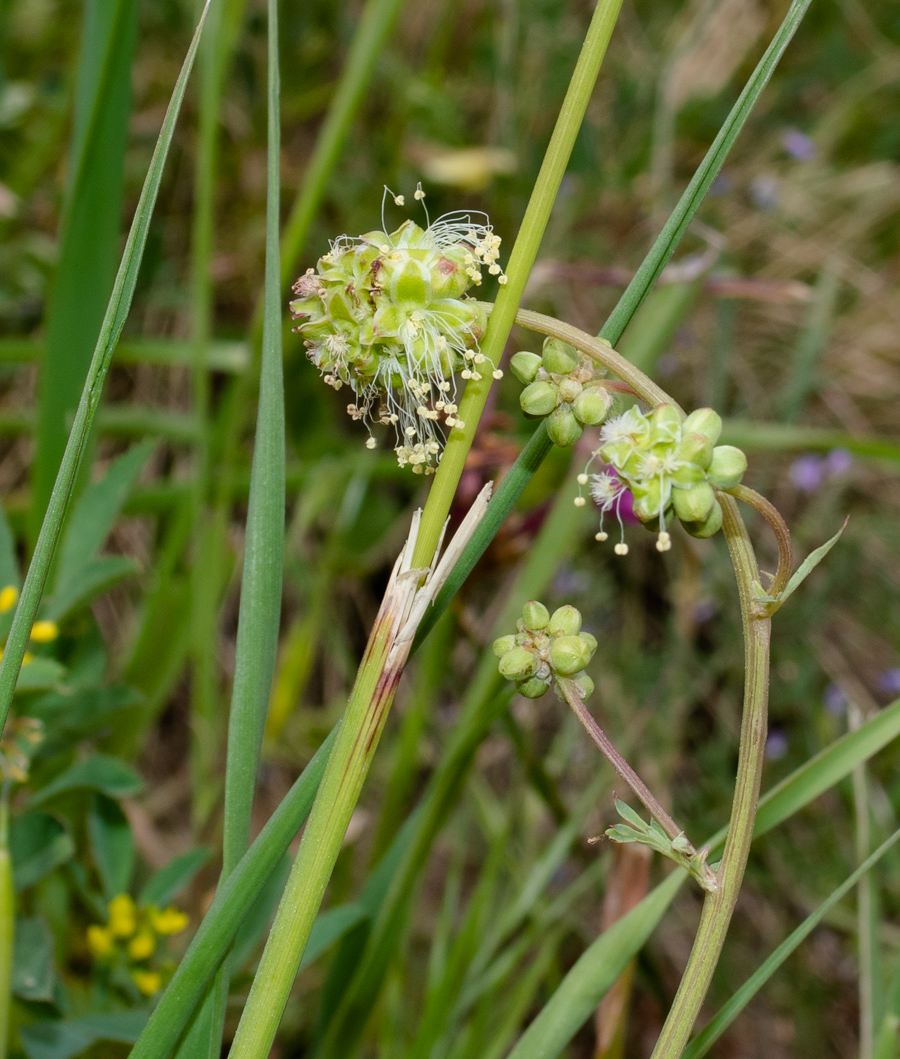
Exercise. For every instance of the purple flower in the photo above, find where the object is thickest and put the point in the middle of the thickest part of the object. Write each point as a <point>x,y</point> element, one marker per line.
<point>808,473</point>
<point>889,682</point>
<point>798,145</point>
<point>835,701</point>
<point>838,462</point>
<point>776,745</point>
<point>704,609</point>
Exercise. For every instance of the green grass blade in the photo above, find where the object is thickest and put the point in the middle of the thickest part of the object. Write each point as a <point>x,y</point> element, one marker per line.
<point>717,1026</point>
<point>260,607</point>
<point>227,913</point>
<point>90,230</point>
<point>113,322</point>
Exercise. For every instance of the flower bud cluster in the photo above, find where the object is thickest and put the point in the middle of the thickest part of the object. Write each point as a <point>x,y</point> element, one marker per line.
<point>672,469</point>
<point>384,314</point>
<point>547,646</point>
<point>563,385</point>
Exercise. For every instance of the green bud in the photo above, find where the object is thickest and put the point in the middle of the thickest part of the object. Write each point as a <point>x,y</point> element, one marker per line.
<point>694,504</point>
<point>592,405</point>
<point>727,467</point>
<point>518,664</point>
<point>696,448</point>
<point>539,399</point>
<point>448,275</point>
<point>712,523</point>
<point>649,498</point>
<point>559,357</point>
<point>533,688</point>
<point>503,645</point>
<point>563,428</point>
<point>566,621</point>
<point>411,285</point>
<point>525,366</point>
<point>665,420</point>
<point>705,421</point>
<point>535,615</point>
<point>590,640</point>
<point>569,655</point>
<point>570,389</point>
<point>585,684</point>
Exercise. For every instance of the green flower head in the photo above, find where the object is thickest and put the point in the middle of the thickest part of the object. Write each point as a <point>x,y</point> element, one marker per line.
<point>386,315</point>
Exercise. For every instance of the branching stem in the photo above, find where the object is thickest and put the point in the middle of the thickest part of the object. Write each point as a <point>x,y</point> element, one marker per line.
<point>779,527</point>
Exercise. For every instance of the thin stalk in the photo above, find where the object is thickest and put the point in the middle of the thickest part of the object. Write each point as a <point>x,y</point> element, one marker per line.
<point>7,922</point>
<point>782,534</point>
<point>647,798</point>
<point>718,907</point>
<point>524,252</point>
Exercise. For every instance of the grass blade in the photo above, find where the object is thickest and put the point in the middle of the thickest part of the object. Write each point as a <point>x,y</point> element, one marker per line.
<point>113,322</point>
<point>90,230</point>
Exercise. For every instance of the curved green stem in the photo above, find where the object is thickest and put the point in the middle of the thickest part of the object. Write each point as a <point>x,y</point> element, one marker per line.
<point>779,527</point>
<point>719,905</point>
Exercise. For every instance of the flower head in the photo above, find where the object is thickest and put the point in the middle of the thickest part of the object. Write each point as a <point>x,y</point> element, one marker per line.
<point>671,467</point>
<point>384,314</point>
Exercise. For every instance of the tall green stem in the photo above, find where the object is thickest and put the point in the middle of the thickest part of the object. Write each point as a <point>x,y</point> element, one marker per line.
<point>718,907</point>
<point>524,252</point>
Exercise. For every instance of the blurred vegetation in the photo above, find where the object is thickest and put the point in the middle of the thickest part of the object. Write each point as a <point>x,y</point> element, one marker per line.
<point>781,311</point>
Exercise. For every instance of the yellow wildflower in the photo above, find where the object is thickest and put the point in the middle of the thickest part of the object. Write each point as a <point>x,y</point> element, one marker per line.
<point>169,921</point>
<point>100,941</point>
<point>142,945</point>
<point>44,631</point>
<point>8,597</point>
<point>122,916</point>
<point>149,982</point>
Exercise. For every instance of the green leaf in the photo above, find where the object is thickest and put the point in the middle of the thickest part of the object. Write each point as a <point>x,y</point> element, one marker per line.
<point>809,564</point>
<point>88,711</point>
<point>594,972</point>
<point>38,843</point>
<point>169,881</point>
<point>112,845</point>
<point>723,1019</point>
<point>33,960</point>
<point>40,674</point>
<point>91,580</point>
<point>64,1040</point>
<point>90,230</point>
<point>76,448</point>
<point>95,513</point>
<point>108,775</point>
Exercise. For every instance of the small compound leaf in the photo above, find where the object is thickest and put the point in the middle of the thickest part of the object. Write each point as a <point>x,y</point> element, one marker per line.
<point>101,773</point>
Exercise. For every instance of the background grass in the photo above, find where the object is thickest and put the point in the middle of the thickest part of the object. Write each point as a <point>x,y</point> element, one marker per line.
<point>793,327</point>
